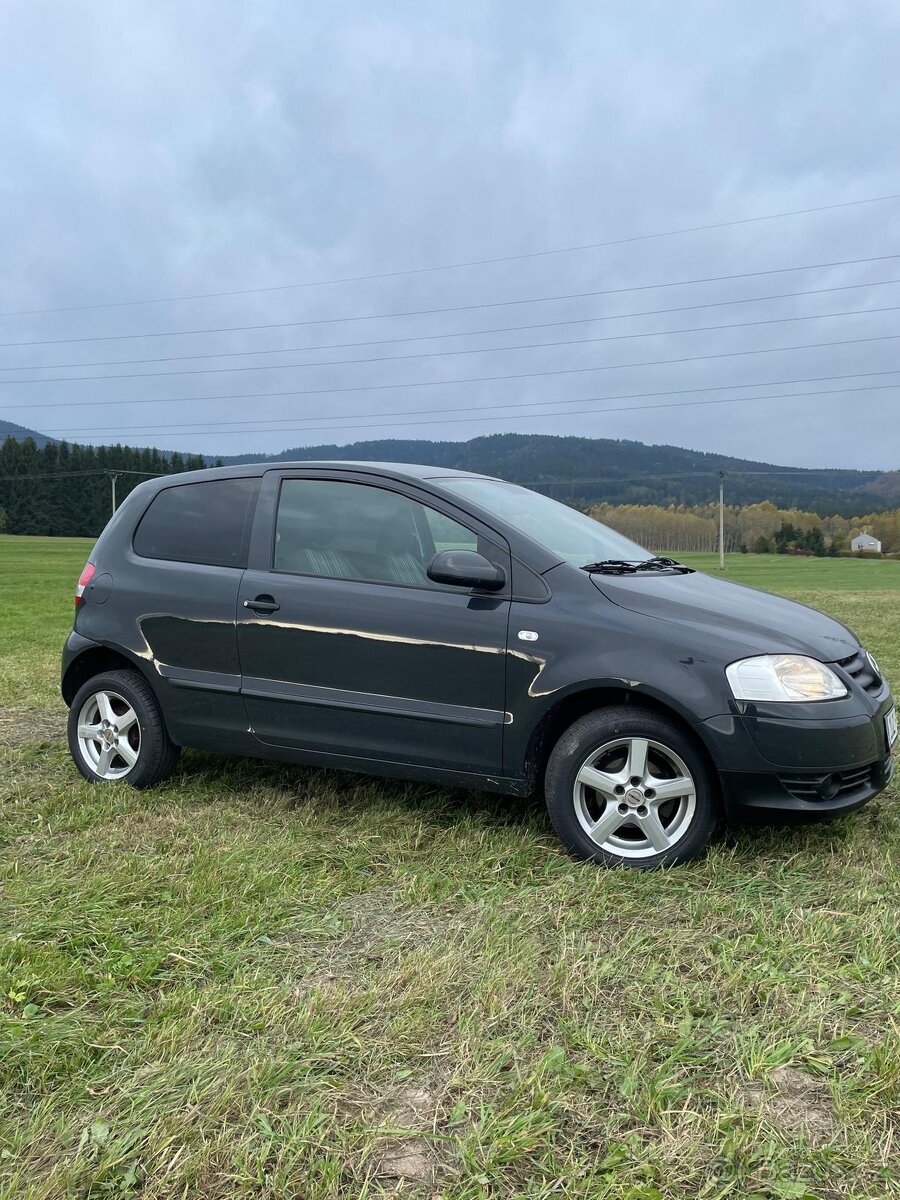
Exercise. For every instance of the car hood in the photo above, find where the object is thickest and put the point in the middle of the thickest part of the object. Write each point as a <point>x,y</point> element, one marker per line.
<point>758,621</point>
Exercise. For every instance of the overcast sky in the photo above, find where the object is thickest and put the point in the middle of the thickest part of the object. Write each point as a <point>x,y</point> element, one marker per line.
<point>167,149</point>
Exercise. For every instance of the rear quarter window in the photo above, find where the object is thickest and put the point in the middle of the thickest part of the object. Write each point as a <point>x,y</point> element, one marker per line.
<point>199,523</point>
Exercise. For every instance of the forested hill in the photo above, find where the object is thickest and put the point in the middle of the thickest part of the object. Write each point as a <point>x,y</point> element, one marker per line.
<point>625,472</point>
<point>8,429</point>
<point>58,488</point>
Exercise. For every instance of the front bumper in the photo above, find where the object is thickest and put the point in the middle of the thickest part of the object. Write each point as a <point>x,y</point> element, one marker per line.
<point>799,762</point>
<point>807,792</point>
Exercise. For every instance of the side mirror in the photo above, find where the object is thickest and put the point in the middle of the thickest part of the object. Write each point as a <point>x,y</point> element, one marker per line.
<point>466,568</point>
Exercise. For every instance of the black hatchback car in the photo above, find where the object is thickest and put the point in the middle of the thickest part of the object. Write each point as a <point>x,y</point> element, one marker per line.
<point>430,624</point>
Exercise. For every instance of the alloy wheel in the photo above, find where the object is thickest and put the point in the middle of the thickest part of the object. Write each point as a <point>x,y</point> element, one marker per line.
<point>109,735</point>
<point>634,797</point>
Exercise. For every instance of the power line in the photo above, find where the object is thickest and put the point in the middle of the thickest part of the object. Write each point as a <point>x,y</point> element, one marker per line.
<point>390,386</point>
<point>50,475</point>
<point>124,471</point>
<point>478,262</point>
<point>257,426</point>
<point>428,337</point>
<point>711,472</point>
<point>90,471</point>
<point>192,427</point>
<point>275,465</point>
<point>423,312</point>
<point>809,470</point>
<point>479,379</point>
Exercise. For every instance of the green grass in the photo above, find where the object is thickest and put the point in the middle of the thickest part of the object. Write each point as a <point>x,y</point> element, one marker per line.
<point>37,590</point>
<point>268,981</point>
<point>788,573</point>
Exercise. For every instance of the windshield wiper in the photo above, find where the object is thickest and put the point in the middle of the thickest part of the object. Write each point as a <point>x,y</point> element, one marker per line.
<point>623,566</point>
<point>664,564</point>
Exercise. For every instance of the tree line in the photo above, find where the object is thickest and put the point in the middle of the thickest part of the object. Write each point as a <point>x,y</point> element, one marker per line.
<point>759,528</point>
<point>63,490</point>
<point>48,490</point>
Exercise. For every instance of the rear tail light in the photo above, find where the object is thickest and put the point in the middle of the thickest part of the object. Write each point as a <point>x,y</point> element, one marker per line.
<point>83,580</point>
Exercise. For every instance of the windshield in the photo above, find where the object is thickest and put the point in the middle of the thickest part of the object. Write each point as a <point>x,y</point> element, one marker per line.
<point>577,538</point>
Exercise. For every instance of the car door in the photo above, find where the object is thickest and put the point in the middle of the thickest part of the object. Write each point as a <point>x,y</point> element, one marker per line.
<point>347,648</point>
<point>174,595</point>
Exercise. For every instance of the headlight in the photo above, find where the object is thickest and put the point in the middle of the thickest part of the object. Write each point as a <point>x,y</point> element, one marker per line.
<point>783,677</point>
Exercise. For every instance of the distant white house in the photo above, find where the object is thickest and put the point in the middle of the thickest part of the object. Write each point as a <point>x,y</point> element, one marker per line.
<point>865,541</point>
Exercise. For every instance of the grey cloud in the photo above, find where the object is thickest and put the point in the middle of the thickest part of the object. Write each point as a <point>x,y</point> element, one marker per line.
<point>170,149</point>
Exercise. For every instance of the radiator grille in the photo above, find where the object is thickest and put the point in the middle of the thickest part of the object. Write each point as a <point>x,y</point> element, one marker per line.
<point>859,667</point>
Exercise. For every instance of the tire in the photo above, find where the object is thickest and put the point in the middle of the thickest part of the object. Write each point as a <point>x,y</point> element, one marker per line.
<point>600,814</point>
<point>131,743</point>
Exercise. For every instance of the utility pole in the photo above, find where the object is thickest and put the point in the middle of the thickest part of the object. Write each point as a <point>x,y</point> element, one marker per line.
<point>112,479</point>
<point>721,520</point>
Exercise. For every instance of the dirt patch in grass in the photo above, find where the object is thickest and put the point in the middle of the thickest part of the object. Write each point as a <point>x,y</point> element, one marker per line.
<point>24,726</point>
<point>370,928</point>
<point>376,921</point>
<point>795,1103</point>
<point>408,1158</point>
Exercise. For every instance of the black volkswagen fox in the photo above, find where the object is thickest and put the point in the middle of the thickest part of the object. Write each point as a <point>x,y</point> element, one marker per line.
<point>430,624</point>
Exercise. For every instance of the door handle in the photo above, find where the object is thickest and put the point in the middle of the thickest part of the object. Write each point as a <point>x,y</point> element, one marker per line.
<point>262,604</point>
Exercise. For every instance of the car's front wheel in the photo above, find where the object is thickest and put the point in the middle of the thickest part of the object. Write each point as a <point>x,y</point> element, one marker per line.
<point>627,787</point>
<point>116,731</point>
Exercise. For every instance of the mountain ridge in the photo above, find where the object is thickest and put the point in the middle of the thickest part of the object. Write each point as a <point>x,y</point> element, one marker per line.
<point>620,471</point>
<point>20,433</point>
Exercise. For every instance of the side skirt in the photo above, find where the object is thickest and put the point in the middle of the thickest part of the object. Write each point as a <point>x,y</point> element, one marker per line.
<point>369,766</point>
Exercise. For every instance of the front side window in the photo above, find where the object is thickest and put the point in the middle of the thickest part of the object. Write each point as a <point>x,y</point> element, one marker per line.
<point>199,523</point>
<point>564,531</point>
<point>356,531</point>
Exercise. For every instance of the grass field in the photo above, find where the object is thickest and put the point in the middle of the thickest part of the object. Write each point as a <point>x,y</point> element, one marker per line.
<point>785,573</point>
<point>265,981</point>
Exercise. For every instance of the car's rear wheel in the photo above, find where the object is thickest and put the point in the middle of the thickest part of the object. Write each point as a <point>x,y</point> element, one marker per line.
<point>628,787</point>
<point>116,731</point>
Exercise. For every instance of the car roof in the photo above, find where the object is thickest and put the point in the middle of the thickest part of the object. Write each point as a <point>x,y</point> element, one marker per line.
<point>394,470</point>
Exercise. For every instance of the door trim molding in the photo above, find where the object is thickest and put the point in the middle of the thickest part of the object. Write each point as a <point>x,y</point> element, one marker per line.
<point>200,681</point>
<point>369,702</point>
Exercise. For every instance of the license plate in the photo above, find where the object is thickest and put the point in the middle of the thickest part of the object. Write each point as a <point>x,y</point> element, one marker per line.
<point>890,726</point>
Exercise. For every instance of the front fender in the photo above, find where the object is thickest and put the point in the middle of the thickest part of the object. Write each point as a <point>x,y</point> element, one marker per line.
<point>616,656</point>
<point>694,689</point>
